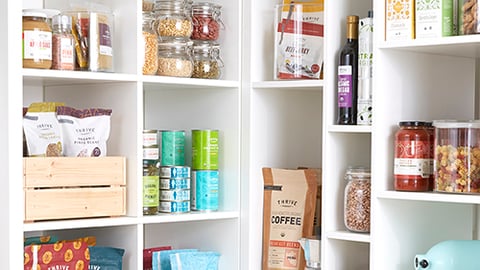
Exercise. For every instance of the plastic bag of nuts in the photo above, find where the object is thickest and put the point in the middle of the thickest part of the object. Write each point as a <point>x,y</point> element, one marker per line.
<point>357,199</point>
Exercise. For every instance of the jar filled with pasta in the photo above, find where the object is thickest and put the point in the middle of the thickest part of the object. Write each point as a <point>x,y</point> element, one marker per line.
<point>150,45</point>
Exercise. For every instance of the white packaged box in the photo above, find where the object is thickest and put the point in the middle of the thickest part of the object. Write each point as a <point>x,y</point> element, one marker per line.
<point>400,20</point>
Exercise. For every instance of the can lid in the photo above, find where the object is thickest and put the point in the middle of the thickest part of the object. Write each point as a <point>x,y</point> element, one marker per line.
<point>456,123</point>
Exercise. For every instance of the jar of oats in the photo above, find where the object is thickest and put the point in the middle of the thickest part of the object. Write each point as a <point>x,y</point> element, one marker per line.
<point>175,57</point>
<point>207,63</point>
<point>37,40</point>
<point>172,19</point>
<point>357,199</point>
<point>150,44</point>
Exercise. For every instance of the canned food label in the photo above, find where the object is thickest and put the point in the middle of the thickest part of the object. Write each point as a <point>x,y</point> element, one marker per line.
<point>205,149</point>
<point>150,153</point>
<point>174,207</point>
<point>179,183</point>
<point>172,148</point>
<point>175,172</point>
<point>150,139</point>
<point>175,195</point>
<point>205,190</point>
<point>150,191</point>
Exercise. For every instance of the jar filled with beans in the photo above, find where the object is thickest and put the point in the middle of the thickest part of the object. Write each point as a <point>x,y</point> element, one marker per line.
<point>207,63</point>
<point>175,57</point>
<point>357,199</point>
<point>150,60</point>
<point>172,19</point>
<point>206,21</point>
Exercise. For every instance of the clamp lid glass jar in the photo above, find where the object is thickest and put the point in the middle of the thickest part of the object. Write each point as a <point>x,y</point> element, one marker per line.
<point>37,40</point>
<point>150,39</point>
<point>357,199</point>
<point>175,57</point>
<point>207,63</point>
<point>172,19</point>
<point>206,21</point>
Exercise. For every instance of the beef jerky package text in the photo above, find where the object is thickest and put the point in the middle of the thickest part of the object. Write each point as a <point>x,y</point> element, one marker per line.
<point>288,213</point>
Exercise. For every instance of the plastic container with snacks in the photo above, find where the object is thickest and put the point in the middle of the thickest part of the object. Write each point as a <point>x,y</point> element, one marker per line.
<point>150,38</point>
<point>175,58</point>
<point>413,156</point>
<point>37,40</point>
<point>357,199</point>
<point>207,63</point>
<point>172,19</point>
<point>206,18</point>
<point>457,156</point>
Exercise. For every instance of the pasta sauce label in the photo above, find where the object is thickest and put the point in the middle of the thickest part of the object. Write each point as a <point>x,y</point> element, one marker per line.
<point>413,158</point>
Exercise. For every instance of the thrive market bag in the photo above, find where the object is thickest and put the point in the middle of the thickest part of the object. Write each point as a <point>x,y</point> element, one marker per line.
<point>288,213</point>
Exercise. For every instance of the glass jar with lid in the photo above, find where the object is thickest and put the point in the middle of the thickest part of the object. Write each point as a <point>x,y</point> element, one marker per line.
<point>37,40</point>
<point>357,199</point>
<point>172,19</point>
<point>206,21</point>
<point>175,57</point>
<point>150,45</point>
<point>207,63</point>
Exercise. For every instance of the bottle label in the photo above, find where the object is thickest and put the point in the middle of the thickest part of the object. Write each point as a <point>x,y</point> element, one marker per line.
<point>345,85</point>
<point>150,191</point>
<point>37,45</point>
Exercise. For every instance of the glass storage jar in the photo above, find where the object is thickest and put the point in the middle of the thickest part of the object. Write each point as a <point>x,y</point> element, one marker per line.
<point>172,19</point>
<point>468,13</point>
<point>357,199</point>
<point>63,43</point>
<point>37,40</point>
<point>150,44</point>
<point>207,63</point>
<point>206,21</point>
<point>175,58</point>
<point>457,156</point>
<point>413,156</point>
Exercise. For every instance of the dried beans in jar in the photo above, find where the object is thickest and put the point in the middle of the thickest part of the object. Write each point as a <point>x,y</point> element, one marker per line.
<point>413,156</point>
<point>357,199</point>
<point>206,21</point>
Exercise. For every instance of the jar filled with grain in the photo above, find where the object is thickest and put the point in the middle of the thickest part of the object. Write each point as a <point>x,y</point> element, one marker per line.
<point>207,63</point>
<point>175,57</point>
<point>37,40</point>
<point>172,19</point>
<point>206,21</point>
<point>150,39</point>
<point>357,199</point>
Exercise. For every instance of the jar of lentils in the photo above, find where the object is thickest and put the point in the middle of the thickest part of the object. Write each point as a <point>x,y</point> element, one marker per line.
<point>357,199</point>
<point>207,63</point>
<point>150,60</point>
<point>172,19</point>
<point>206,21</point>
<point>175,57</point>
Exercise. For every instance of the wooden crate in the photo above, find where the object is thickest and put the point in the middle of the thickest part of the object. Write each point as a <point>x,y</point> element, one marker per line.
<point>74,187</point>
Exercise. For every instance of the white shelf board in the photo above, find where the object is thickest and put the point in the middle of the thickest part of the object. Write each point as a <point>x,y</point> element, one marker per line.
<point>191,216</point>
<point>430,197</point>
<point>349,128</point>
<point>188,82</point>
<point>48,77</point>
<point>463,46</point>
<point>313,85</point>
<point>79,223</point>
<point>349,236</point>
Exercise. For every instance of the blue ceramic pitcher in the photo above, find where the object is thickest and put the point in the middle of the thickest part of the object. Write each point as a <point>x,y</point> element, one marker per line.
<point>450,255</point>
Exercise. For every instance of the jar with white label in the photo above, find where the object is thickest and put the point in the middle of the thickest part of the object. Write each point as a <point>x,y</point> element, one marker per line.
<point>172,19</point>
<point>207,63</point>
<point>37,40</point>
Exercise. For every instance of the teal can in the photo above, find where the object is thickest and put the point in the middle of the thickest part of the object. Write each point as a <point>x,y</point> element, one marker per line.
<point>204,190</point>
<point>172,148</point>
<point>205,149</point>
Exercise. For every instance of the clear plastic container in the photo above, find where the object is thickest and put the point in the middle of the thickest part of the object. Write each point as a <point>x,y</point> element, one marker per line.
<point>357,199</point>
<point>457,156</point>
<point>207,63</point>
<point>175,58</point>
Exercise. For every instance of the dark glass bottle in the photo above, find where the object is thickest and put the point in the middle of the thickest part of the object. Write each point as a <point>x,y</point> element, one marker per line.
<point>348,76</point>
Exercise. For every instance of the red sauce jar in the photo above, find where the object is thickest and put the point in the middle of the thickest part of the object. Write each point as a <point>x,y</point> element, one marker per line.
<point>413,156</point>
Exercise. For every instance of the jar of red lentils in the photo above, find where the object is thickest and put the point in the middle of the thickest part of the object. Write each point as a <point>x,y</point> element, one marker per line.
<point>413,156</point>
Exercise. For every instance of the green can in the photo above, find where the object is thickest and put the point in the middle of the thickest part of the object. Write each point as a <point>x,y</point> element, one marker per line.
<point>172,148</point>
<point>205,149</point>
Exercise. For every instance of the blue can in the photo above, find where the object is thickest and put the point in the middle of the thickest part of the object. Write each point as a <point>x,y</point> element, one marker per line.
<point>174,172</point>
<point>174,206</point>
<point>177,183</point>
<point>205,190</point>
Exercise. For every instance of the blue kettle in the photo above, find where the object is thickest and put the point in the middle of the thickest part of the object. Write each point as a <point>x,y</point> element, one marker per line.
<point>450,255</point>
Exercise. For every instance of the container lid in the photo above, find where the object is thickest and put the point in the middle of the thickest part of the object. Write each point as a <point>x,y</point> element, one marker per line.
<point>456,123</point>
<point>414,124</point>
<point>63,20</point>
<point>34,13</point>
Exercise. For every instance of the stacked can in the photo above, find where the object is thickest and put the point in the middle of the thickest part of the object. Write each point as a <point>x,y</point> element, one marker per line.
<point>150,172</point>
<point>172,147</point>
<point>174,189</point>
<point>205,176</point>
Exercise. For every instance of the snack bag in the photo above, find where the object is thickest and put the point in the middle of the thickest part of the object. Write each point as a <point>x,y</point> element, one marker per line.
<point>69,255</point>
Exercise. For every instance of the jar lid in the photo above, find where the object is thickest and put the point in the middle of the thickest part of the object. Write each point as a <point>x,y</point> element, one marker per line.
<point>456,123</point>
<point>34,13</point>
<point>174,42</point>
<point>205,44</point>
<point>413,123</point>
<point>358,171</point>
<point>63,20</point>
<point>205,5</point>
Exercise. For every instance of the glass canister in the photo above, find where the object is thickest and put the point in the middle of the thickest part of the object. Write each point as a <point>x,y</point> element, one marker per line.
<point>357,199</point>
<point>175,58</point>
<point>413,156</point>
<point>37,40</point>
<point>207,63</point>
<point>206,21</point>
<point>457,156</point>
<point>150,39</point>
<point>468,17</point>
<point>172,19</point>
<point>63,43</point>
